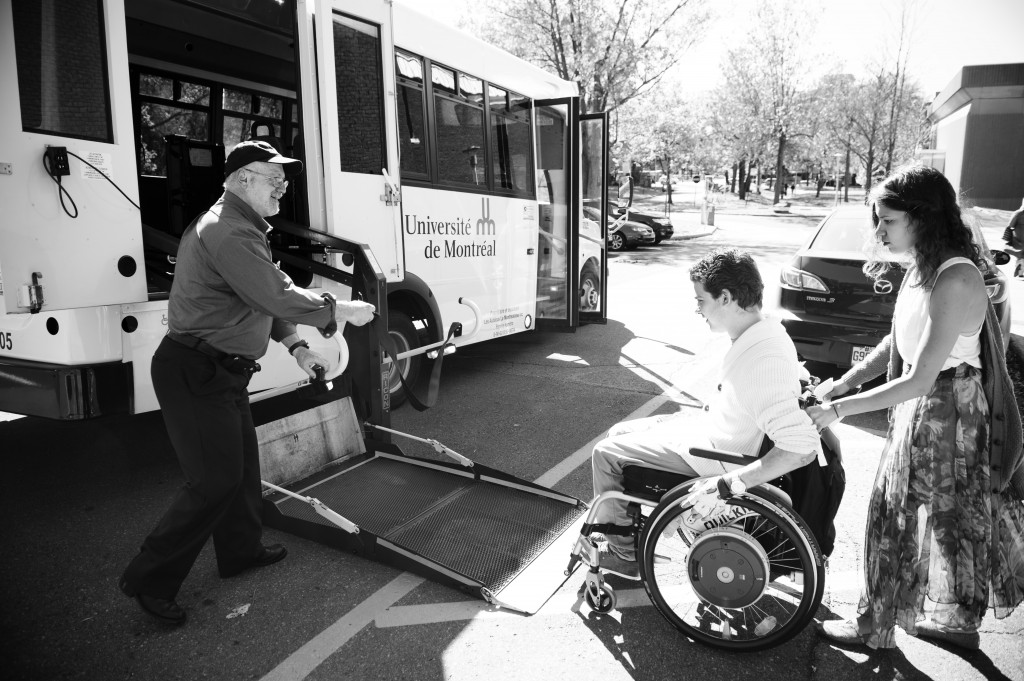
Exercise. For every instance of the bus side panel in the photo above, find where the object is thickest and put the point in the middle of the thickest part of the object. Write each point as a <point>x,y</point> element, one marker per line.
<point>95,258</point>
<point>481,248</point>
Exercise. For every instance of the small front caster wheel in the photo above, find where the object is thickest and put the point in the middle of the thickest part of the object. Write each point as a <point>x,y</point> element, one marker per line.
<point>604,601</point>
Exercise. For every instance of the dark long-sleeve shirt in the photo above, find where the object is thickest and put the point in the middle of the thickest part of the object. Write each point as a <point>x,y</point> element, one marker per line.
<point>227,290</point>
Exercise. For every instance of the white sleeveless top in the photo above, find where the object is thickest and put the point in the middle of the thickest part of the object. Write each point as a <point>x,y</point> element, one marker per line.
<point>912,312</point>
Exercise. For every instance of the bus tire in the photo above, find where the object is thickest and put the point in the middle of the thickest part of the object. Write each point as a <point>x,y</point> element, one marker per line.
<point>590,290</point>
<point>404,336</point>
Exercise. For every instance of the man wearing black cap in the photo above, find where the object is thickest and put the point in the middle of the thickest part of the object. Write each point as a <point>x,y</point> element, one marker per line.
<point>227,301</point>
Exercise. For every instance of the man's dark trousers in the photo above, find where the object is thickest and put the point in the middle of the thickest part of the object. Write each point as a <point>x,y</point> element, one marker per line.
<point>206,411</point>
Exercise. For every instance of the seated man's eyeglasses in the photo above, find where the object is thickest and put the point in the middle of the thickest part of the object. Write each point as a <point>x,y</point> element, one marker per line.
<point>277,182</point>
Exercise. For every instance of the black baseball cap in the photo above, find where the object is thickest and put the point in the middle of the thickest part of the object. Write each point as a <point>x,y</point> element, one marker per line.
<point>251,152</point>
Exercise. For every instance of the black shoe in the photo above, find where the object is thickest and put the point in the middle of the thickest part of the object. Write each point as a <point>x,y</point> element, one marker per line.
<point>164,609</point>
<point>268,555</point>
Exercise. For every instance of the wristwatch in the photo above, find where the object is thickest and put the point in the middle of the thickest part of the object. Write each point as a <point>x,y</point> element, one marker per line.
<point>297,344</point>
<point>737,486</point>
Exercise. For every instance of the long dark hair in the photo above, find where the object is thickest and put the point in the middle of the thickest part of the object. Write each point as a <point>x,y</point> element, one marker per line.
<point>935,220</point>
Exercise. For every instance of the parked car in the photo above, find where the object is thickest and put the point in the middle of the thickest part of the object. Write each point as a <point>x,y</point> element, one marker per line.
<point>622,234</point>
<point>833,312</point>
<point>659,224</point>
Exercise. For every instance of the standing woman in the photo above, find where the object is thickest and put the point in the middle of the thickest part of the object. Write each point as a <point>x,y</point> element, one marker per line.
<point>945,533</point>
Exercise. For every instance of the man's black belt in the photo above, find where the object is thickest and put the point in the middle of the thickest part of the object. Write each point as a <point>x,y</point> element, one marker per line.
<point>233,363</point>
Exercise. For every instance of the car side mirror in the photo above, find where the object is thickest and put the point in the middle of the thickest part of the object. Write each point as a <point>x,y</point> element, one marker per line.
<point>1000,257</point>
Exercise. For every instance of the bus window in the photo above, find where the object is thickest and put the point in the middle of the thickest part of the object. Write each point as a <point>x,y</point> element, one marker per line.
<point>413,136</point>
<point>358,75</point>
<point>248,116</point>
<point>169,106</point>
<point>511,157</point>
<point>62,69</point>
<point>460,130</point>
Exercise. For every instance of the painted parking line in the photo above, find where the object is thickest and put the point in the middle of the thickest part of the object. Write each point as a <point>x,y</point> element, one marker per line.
<point>838,586</point>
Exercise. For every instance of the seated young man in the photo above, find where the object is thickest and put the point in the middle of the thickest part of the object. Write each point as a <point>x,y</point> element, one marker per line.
<point>757,392</point>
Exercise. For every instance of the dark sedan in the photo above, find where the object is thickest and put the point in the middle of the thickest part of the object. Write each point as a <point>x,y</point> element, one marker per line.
<point>836,314</point>
<point>659,224</point>
<point>622,233</point>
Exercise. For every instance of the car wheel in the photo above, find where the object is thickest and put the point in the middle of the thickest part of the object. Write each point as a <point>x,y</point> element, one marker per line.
<point>590,291</point>
<point>405,338</point>
<point>616,242</point>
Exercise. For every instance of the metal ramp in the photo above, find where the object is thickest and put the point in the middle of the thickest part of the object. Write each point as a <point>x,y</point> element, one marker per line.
<point>491,534</point>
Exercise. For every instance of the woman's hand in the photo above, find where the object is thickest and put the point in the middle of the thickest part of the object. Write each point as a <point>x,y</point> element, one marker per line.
<point>823,415</point>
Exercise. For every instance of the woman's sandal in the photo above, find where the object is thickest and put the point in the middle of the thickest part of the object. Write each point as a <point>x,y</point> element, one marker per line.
<point>846,632</point>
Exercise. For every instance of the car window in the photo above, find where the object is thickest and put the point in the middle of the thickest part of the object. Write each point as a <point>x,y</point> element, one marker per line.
<point>842,233</point>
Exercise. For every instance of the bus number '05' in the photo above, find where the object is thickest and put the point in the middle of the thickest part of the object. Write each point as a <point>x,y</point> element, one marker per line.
<point>5,341</point>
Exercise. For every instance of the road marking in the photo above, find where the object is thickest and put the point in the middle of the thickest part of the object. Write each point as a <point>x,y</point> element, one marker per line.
<point>303,661</point>
<point>838,585</point>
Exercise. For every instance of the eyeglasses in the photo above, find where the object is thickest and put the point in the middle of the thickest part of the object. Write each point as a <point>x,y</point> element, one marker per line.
<point>276,182</point>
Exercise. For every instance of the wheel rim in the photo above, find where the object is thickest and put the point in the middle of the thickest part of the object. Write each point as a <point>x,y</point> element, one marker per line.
<point>590,297</point>
<point>760,617</point>
<point>402,365</point>
<point>616,242</point>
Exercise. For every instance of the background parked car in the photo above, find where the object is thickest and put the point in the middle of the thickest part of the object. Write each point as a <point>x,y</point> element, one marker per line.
<point>837,315</point>
<point>659,224</point>
<point>622,234</point>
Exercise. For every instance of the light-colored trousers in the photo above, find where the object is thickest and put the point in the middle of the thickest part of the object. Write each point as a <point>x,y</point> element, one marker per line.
<point>661,442</point>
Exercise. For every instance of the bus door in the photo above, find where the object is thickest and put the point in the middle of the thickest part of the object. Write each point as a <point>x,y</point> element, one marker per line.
<point>348,96</point>
<point>593,197</point>
<point>571,267</point>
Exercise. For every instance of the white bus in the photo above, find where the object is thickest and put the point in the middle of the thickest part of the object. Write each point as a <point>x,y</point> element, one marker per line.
<point>459,166</point>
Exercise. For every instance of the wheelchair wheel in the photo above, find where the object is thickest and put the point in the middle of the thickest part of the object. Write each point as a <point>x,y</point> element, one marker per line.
<point>750,584</point>
<point>603,602</point>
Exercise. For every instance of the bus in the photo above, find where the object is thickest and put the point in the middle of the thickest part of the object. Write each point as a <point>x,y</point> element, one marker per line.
<point>459,168</point>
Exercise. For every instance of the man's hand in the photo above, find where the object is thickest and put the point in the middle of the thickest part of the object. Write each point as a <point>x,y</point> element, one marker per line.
<point>356,312</point>
<point>706,501</point>
<point>307,359</point>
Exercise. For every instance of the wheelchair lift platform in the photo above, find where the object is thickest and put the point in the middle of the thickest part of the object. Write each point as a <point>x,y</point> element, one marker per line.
<point>488,533</point>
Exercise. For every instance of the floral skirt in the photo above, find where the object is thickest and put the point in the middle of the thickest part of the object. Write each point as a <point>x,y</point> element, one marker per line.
<point>939,543</point>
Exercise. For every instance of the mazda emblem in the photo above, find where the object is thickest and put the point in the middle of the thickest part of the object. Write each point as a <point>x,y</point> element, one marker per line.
<point>883,286</point>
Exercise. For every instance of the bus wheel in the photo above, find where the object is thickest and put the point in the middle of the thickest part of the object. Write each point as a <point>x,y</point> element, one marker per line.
<point>403,333</point>
<point>590,291</point>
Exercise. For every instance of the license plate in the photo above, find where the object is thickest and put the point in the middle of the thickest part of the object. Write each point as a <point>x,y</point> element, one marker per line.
<point>859,352</point>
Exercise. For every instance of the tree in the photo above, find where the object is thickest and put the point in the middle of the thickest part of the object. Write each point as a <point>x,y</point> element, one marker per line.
<point>616,50</point>
<point>768,73</point>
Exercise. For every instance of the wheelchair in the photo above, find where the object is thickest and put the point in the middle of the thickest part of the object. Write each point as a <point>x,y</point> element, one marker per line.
<point>748,579</point>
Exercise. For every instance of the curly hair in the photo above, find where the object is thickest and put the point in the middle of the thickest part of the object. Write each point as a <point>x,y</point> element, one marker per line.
<point>936,220</point>
<point>733,270</point>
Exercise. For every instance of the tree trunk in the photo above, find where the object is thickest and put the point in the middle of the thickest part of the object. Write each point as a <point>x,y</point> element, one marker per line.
<point>742,172</point>
<point>779,180</point>
<point>846,176</point>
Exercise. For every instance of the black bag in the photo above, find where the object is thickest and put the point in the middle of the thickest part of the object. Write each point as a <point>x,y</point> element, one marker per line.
<point>816,492</point>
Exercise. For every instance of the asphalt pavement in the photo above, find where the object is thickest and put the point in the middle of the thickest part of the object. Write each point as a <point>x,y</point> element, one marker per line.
<point>81,496</point>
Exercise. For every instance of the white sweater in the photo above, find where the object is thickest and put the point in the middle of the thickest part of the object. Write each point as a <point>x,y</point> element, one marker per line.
<point>757,393</point>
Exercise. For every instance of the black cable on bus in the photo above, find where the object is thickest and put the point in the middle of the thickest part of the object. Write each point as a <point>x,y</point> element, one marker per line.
<point>71,153</point>
<point>61,191</point>
<point>64,192</point>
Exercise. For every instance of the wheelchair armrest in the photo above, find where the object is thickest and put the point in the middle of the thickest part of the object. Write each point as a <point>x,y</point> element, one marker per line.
<point>720,455</point>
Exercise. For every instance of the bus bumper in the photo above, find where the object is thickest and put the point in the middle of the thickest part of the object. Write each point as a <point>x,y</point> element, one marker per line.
<point>58,391</point>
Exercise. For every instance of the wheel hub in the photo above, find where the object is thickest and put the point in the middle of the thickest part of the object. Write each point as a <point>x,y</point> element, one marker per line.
<point>728,568</point>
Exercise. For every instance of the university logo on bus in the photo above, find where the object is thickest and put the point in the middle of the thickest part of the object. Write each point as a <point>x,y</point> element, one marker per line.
<point>485,225</point>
